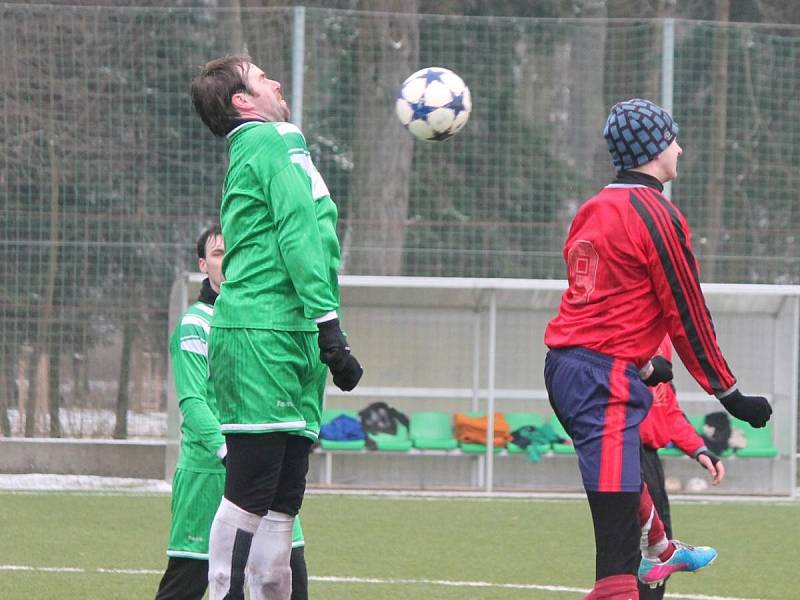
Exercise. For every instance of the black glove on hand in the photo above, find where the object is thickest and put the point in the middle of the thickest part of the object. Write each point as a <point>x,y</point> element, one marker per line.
<point>662,371</point>
<point>714,458</point>
<point>334,352</point>
<point>753,409</point>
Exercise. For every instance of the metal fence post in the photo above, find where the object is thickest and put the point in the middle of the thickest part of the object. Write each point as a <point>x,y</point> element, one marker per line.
<point>668,75</point>
<point>298,64</point>
<point>490,391</point>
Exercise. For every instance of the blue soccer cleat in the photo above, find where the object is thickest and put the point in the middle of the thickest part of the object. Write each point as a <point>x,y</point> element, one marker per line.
<point>653,572</point>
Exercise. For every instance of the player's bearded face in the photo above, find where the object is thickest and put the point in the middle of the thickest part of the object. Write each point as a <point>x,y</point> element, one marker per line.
<point>266,96</point>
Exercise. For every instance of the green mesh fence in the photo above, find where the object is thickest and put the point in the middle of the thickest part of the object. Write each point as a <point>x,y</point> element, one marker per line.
<point>107,176</point>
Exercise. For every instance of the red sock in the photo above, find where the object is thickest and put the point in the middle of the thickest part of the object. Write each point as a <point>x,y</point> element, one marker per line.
<point>616,587</point>
<point>667,554</point>
<point>653,528</point>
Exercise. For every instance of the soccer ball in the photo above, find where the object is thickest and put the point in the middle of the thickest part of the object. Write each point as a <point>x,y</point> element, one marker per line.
<point>434,104</point>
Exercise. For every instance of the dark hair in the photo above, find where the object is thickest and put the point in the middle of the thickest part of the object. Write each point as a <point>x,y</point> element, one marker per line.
<point>214,87</point>
<point>209,233</point>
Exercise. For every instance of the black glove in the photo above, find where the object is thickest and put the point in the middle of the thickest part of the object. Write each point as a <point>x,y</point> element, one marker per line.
<point>753,409</point>
<point>334,352</point>
<point>714,458</point>
<point>662,371</point>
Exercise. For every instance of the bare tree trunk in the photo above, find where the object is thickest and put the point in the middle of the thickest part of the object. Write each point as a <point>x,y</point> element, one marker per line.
<point>267,35</point>
<point>715,184</point>
<point>44,326</point>
<point>6,379</point>
<point>54,383</point>
<point>232,26</point>
<point>581,146</point>
<point>662,10</point>
<point>48,341</point>
<point>129,333</point>
<point>382,153</point>
<point>568,78</point>
<point>33,391</point>
<point>79,362</point>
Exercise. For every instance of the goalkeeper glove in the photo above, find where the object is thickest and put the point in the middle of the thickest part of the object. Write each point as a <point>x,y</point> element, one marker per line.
<point>658,370</point>
<point>753,409</point>
<point>335,353</point>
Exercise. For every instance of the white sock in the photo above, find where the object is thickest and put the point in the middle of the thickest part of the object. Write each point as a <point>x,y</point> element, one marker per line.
<point>228,549</point>
<point>648,551</point>
<point>268,572</point>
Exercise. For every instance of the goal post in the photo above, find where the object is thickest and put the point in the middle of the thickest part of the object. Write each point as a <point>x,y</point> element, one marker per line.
<point>472,344</point>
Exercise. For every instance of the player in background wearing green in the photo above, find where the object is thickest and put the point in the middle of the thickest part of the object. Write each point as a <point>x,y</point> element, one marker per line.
<point>199,478</point>
<point>275,326</point>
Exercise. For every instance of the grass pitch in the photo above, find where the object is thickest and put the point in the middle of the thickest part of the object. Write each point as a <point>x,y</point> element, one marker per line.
<point>105,546</point>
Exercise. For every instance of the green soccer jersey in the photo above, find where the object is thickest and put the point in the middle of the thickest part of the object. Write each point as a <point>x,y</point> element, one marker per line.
<point>201,436</point>
<point>279,224</point>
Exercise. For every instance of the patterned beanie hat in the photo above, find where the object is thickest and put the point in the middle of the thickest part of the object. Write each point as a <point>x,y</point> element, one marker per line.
<point>637,131</point>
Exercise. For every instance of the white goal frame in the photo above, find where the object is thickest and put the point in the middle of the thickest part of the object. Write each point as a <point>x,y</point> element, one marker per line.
<point>388,319</point>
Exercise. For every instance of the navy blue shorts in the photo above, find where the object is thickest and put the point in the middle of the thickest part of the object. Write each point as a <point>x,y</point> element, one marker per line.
<point>600,401</point>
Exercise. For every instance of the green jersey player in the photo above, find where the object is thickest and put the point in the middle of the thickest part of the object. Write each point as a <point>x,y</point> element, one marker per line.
<point>275,328</point>
<point>199,479</point>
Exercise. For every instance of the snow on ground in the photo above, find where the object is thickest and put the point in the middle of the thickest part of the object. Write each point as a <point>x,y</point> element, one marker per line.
<point>37,482</point>
<point>92,423</point>
<point>45,482</point>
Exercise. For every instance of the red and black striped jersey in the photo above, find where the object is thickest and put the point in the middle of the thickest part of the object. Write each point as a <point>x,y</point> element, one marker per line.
<point>633,279</point>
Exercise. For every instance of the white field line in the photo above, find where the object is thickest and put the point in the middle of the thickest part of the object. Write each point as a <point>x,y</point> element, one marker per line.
<point>42,482</point>
<point>377,581</point>
<point>79,570</point>
<point>517,496</point>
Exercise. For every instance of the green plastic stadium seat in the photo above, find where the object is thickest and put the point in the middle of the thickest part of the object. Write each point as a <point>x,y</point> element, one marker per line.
<point>387,442</point>
<point>759,441</point>
<point>328,414</point>
<point>470,448</point>
<point>559,430</point>
<point>671,451</point>
<point>517,420</point>
<point>432,431</point>
<point>343,445</point>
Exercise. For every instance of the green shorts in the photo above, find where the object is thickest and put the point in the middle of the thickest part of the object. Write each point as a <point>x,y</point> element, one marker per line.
<point>267,380</point>
<point>297,533</point>
<point>195,499</point>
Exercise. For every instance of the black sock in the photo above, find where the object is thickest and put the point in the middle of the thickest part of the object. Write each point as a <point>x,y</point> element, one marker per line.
<point>184,579</point>
<point>616,532</point>
<point>299,574</point>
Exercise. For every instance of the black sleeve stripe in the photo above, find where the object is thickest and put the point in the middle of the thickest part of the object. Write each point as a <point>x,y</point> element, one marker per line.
<point>672,274</point>
<point>662,227</point>
<point>703,315</point>
<point>670,224</point>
